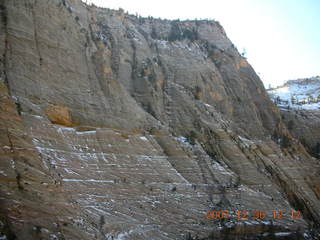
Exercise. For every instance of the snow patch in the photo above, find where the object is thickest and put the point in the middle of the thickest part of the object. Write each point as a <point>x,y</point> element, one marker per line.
<point>123,236</point>
<point>282,234</point>
<point>87,180</point>
<point>70,171</point>
<point>246,141</point>
<point>86,132</point>
<point>182,139</point>
<point>33,115</point>
<point>62,129</point>
<point>221,169</point>
<point>143,138</point>
<point>298,94</point>
<point>163,43</point>
<point>14,98</point>
<point>6,147</point>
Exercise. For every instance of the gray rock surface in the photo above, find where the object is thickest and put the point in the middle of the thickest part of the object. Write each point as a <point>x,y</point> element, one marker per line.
<point>299,104</point>
<point>305,126</point>
<point>118,127</point>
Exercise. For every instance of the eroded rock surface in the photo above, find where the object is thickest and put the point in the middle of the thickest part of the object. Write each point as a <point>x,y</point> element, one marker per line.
<point>59,114</point>
<point>165,122</point>
<point>299,103</point>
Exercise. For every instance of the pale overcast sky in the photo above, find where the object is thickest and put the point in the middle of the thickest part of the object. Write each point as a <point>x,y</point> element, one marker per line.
<point>281,37</point>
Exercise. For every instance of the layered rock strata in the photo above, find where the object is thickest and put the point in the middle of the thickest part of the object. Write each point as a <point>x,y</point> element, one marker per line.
<point>120,127</point>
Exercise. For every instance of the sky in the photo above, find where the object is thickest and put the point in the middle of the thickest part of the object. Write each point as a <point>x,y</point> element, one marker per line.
<point>281,38</point>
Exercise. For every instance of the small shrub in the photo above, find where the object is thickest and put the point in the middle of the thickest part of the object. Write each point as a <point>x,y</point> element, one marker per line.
<point>303,141</point>
<point>290,124</point>
<point>101,221</point>
<point>188,236</point>
<point>154,34</point>
<point>285,142</point>
<point>19,108</point>
<point>37,229</point>
<point>191,138</point>
<point>197,92</point>
<point>18,178</point>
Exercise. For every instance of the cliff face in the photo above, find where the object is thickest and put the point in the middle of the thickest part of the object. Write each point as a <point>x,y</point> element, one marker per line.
<point>305,126</point>
<point>299,104</point>
<point>117,127</point>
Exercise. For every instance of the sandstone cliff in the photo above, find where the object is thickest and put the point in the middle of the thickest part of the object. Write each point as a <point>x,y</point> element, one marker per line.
<point>119,127</point>
<point>299,103</point>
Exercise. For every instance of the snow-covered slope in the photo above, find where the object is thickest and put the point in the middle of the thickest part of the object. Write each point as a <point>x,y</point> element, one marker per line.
<point>298,94</point>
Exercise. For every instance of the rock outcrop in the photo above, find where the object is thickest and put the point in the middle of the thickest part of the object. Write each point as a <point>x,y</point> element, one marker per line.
<point>120,127</point>
<point>59,114</point>
<point>299,104</point>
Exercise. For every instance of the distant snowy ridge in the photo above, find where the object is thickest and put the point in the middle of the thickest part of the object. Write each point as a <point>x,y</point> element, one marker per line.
<point>298,94</point>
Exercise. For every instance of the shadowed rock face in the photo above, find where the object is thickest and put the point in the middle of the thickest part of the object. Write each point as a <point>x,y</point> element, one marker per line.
<point>299,101</point>
<point>117,127</point>
<point>305,126</point>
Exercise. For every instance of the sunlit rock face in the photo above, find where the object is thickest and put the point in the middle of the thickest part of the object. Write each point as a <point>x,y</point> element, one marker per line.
<point>118,127</point>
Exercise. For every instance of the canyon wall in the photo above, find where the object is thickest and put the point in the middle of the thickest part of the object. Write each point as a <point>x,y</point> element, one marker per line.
<point>115,126</point>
